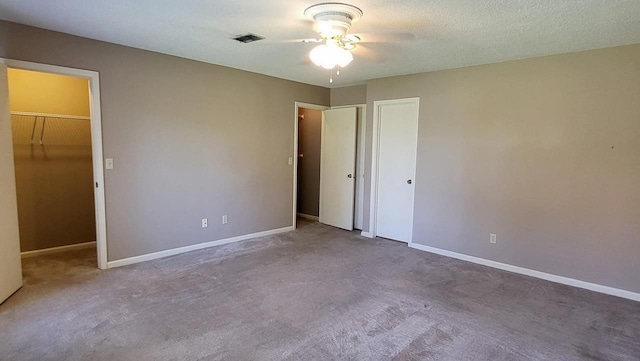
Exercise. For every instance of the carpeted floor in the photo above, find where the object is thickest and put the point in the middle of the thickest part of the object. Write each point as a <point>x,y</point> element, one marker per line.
<point>314,294</point>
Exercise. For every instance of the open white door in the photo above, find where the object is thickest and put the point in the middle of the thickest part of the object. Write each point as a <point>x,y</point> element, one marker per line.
<point>337,167</point>
<point>10,265</point>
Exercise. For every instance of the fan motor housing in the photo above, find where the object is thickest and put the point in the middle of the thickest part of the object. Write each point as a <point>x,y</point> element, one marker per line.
<point>333,19</point>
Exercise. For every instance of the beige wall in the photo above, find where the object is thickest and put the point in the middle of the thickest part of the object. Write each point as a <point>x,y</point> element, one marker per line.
<point>543,152</point>
<point>37,92</point>
<point>189,140</point>
<point>350,95</point>
<point>309,142</point>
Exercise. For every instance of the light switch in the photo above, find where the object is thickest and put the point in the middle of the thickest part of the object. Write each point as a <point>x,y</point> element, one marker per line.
<point>108,163</point>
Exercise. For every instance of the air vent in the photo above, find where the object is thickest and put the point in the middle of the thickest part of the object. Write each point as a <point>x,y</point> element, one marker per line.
<point>248,38</point>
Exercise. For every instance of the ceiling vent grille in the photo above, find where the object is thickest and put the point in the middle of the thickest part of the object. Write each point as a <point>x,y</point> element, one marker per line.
<point>248,38</point>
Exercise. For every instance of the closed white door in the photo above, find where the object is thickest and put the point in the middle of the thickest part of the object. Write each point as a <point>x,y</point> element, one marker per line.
<point>398,136</point>
<point>337,167</point>
<point>10,265</point>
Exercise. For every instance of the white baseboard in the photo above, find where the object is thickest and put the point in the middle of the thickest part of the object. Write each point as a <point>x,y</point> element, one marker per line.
<point>307,216</point>
<point>175,251</point>
<point>533,273</point>
<point>71,247</point>
<point>366,234</point>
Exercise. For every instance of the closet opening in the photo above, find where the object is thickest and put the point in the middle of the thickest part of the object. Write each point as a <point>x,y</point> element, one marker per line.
<point>54,166</point>
<point>329,165</point>
<point>309,137</point>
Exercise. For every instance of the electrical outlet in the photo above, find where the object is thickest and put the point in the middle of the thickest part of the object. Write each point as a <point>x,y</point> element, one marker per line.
<point>492,238</point>
<point>225,220</point>
<point>204,223</point>
<point>108,163</point>
<point>290,160</point>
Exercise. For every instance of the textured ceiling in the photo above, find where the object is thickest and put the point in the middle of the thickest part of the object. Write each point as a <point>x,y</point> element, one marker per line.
<point>400,37</point>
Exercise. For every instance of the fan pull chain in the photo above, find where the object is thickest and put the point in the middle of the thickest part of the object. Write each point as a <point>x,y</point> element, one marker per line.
<point>331,77</point>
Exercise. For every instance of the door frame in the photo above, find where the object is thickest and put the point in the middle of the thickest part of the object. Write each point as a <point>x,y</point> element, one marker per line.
<point>96,142</point>
<point>299,105</point>
<point>375,159</point>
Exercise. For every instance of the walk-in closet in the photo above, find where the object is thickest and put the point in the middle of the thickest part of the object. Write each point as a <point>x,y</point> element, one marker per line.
<point>51,128</point>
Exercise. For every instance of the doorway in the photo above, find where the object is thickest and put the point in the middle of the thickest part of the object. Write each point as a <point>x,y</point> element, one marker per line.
<point>310,125</point>
<point>393,168</point>
<point>57,136</point>
<point>307,144</point>
<point>51,131</point>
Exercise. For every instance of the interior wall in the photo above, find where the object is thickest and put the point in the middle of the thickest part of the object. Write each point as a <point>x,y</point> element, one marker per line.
<point>309,143</point>
<point>54,180</point>
<point>543,152</point>
<point>37,92</point>
<point>350,95</point>
<point>189,140</point>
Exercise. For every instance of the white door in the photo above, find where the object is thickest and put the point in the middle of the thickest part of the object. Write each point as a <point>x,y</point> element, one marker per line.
<point>398,136</point>
<point>337,167</point>
<point>10,265</point>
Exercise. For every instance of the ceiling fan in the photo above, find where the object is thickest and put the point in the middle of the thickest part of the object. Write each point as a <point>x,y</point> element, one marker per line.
<point>332,21</point>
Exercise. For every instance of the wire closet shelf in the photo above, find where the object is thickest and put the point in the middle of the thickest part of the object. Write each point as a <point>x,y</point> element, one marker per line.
<point>60,121</point>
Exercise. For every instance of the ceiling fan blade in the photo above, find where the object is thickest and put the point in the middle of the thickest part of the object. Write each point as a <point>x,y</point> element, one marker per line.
<point>386,37</point>
<point>305,23</point>
<point>365,52</point>
<point>272,42</point>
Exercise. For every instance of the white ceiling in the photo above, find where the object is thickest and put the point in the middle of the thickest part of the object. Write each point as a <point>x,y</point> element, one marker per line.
<point>400,37</point>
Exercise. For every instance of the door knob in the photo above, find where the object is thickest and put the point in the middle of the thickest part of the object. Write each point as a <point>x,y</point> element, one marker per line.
<point>409,181</point>
<point>349,175</point>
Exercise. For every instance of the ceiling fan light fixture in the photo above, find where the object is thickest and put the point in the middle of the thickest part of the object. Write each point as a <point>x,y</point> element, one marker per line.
<point>321,57</point>
<point>352,38</point>
<point>349,46</point>
<point>332,22</point>
<point>331,28</point>
<point>344,58</point>
<point>328,56</point>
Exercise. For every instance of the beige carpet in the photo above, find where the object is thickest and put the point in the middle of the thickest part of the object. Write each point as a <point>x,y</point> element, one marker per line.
<point>314,294</point>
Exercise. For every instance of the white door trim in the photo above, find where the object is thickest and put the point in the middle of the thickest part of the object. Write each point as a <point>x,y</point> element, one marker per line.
<point>375,155</point>
<point>96,142</point>
<point>299,105</point>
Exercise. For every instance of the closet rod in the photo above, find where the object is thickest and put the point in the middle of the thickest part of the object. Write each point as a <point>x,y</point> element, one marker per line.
<point>47,115</point>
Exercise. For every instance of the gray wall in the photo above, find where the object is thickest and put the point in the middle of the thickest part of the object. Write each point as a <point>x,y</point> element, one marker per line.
<point>189,140</point>
<point>544,152</point>
<point>349,95</point>
<point>309,142</point>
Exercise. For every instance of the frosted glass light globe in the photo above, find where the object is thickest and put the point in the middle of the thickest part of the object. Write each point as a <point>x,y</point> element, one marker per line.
<point>322,55</point>
<point>329,55</point>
